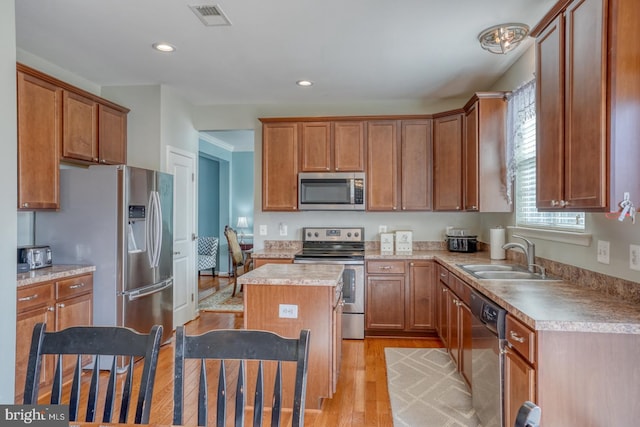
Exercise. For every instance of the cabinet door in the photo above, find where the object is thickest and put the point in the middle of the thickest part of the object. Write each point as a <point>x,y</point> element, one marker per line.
<point>385,302</point>
<point>585,139</point>
<point>421,292</point>
<point>454,328</point>
<point>112,139</point>
<point>80,127</point>
<point>466,321</point>
<point>280,167</point>
<point>25,323</point>
<point>337,344</point>
<point>519,384</point>
<point>550,115</point>
<point>447,158</point>
<point>443,311</point>
<point>348,146</point>
<point>382,165</point>
<point>315,147</point>
<point>416,165</point>
<point>39,133</point>
<point>471,145</point>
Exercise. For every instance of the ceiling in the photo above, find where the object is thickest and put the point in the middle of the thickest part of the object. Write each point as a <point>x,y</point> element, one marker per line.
<point>355,51</point>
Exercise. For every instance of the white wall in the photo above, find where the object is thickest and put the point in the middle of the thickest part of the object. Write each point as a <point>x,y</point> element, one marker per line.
<point>177,128</point>
<point>8,175</point>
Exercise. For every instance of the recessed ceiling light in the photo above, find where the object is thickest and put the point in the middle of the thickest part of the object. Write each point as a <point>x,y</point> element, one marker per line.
<point>164,47</point>
<point>304,83</point>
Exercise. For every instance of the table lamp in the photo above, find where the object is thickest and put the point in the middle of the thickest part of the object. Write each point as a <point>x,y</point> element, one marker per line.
<point>242,224</point>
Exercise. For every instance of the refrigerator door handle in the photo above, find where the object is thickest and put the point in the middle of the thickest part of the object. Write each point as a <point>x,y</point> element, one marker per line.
<point>158,233</point>
<point>151,230</point>
<point>148,290</point>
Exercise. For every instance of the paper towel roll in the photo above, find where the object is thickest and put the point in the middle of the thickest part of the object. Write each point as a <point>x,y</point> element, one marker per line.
<point>496,240</point>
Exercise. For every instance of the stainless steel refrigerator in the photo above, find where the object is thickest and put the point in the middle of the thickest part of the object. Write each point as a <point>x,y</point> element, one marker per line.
<point>120,219</point>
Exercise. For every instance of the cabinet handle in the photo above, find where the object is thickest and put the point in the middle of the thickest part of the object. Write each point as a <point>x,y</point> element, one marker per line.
<point>443,274</point>
<point>474,207</point>
<point>564,203</point>
<point>60,305</point>
<point>79,285</point>
<point>29,298</point>
<point>395,207</point>
<point>385,267</point>
<point>95,159</point>
<point>516,337</point>
<point>52,308</point>
<point>554,203</point>
<point>404,207</point>
<point>457,208</point>
<point>25,205</point>
<point>411,264</point>
<point>103,161</point>
<point>444,290</point>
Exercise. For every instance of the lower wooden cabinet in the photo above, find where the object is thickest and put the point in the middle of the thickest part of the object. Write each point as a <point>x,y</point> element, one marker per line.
<point>519,384</point>
<point>400,298</point>
<point>58,303</point>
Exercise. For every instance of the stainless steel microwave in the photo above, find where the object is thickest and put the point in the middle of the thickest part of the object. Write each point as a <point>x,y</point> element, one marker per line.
<point>331,191</point>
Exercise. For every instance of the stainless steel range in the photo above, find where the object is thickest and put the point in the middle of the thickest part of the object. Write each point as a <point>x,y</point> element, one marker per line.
<point>340,245</point>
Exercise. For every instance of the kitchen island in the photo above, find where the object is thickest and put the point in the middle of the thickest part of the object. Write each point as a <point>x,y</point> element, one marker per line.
<point>285,298</point>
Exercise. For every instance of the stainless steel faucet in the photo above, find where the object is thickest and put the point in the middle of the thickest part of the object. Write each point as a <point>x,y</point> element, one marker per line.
<point>529,251</point>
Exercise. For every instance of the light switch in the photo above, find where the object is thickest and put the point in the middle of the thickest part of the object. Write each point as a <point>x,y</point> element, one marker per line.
<point>263,230</point>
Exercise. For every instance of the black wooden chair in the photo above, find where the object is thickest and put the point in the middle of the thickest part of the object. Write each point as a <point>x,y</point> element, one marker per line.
<point>241,345</point>
<point>96,341</point>
<point>528,415</point>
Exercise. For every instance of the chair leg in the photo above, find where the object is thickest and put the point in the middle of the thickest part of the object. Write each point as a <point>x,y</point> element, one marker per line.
<point>213,272</point>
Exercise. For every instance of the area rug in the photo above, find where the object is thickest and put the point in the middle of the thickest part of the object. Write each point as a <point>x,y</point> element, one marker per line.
<point>223,301</point>
<point>426,390</point>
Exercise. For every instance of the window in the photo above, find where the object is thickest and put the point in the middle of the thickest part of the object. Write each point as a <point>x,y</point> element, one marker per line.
<point>523,134</point>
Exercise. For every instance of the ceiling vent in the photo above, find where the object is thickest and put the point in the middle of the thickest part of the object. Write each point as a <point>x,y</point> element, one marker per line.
<point>210,14</point>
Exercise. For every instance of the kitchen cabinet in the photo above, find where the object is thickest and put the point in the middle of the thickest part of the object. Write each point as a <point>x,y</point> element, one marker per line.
<point>484,153</point>
<point>400,298</point>
<point>332,146</point>
<point>259,262</point>
<point>586,87</point>
<point>399,165</point>
<point>58,303</point>
<point>382,165</point>
<point>280,166</point>
<point>447,162</point>
<point>416,168</point>
<point>112,135</point>
<point>316,311</point>
<point>519,371</point>
<point>455,320</point>
<point>39,134</point>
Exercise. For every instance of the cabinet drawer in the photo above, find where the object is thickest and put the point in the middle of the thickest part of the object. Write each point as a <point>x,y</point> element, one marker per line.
<point>34,296</point>
<point>521,338</point>
<point>74,286</point>
<point>385,267</point>
<point>443,274</point>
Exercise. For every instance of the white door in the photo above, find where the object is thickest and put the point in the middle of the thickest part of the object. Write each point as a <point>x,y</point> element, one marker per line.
<point>182,165</point>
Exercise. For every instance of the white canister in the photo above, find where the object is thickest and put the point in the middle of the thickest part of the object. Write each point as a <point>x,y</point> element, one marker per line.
<point>496,241</point>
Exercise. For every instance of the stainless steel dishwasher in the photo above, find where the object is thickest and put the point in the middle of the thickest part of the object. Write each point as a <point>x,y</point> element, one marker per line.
<point>487,367</point>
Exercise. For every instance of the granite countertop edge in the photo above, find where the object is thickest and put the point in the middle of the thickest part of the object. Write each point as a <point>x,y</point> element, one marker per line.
<point>54,272</point>
<point>293,274</point>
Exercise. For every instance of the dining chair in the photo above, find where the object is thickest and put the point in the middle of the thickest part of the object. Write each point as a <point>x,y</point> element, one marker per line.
<point>240,346</point>
<point>237,256</point>
<point>528,415</point>
<point>98,342</point>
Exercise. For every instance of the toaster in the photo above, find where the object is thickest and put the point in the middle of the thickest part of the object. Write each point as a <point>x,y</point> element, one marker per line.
<point>35,256</point>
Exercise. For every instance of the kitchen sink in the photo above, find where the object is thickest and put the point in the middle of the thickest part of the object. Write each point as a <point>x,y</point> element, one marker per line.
<point>502,272</point>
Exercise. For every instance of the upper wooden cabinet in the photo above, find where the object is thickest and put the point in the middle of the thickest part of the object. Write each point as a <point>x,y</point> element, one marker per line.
<point>80,127</point>
<point>112,135</point>
<point>484,163</point>
<point>332,146</point>
<point>447,160</point>
<point>382,165</point>
<point>39,134</point>
<point>587,90</point>
<point>416,166</point>
<point>280,166</point>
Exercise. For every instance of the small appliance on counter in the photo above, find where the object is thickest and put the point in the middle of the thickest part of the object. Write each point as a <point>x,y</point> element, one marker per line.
<point>460,240</point>
<point>35,256</point>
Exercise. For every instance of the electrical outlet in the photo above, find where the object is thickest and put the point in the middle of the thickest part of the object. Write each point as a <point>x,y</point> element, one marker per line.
<point>263,230</point>
<point>283,229</point>
<point>288,311</point>
<point>603,251</point>
<point>382,229</point>
<point>634,257</point>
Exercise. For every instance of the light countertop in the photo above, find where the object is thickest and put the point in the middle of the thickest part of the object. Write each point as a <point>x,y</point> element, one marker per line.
<point>52,273</point>
<point>293,274</point>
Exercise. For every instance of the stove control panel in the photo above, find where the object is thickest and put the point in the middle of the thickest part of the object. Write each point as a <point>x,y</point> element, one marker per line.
<point>336,234</point>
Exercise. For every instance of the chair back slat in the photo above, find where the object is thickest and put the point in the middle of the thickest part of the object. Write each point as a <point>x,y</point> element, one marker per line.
<point>94,341</point>
<point>221,406</point>
<point>276,406</point>
<point>126,392</point>
<point>258,401</point>
<point>240,396</point>
<point>241,345</point>
<point>203,396</point>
